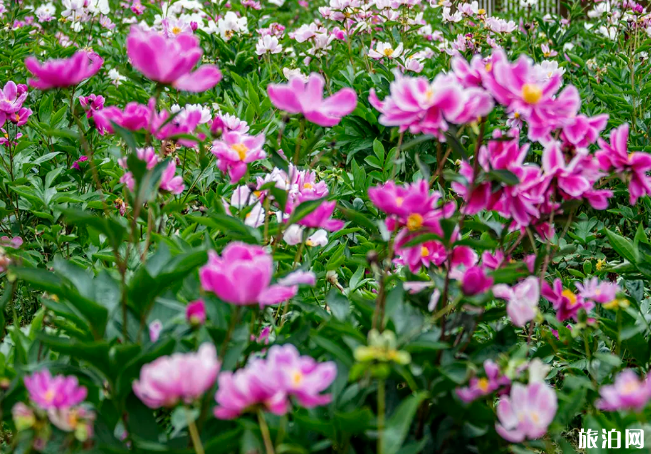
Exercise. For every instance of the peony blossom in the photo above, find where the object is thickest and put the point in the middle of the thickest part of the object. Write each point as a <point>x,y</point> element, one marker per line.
<point>307,98</point>
<point>195,313</point>
<point>526,412</point>
<point>479,387</point>
<point>235,150</point>
<point>242,276</point>
<point>322,218</point>
<point>181,377</point>
<point>56,392</point>
<point>627,393</point>
<point>522,300</point>
<point>566,303</point>
<point>64,72</point>
<point>475,281</point>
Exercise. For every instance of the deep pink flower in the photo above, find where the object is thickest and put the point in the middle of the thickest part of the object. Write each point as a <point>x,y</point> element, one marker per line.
<point>527,412</point>
<point>242,276</point>
<point>20,117</point>
<point>584,131</point>
<point>134,117</point>
<point>169,182</point>
<point>568,177</point>
<point>148,155</point>
<point>614,155</point>
<point>307,98</point>
<point>91,103</point>
<point>184,377</point>
<point>195,312</point>
<point>627,393</point>
<point>566,303</point>
<point>12,97</point>
<point>322,218</point>
<point>235,150</point>
<point>170,60</point>
<point>64,72</point>
<point>479,387</point>
<point>475,281</point>
<point>59,391</point>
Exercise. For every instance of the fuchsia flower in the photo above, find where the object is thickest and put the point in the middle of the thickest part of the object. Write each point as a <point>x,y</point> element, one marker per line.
<point>269,382</point>
<point>91,103</point>
<point>298,277</point>
<point>134,117</point>
<point>170,60</point>
<point>12,97</point>
<point>527,412</point>
<point>322,218</point>
<point>64,72</point>
<point>307,98</point>
<point>566,303</point>
<point>169,182</point>
<point>522,300</point>
<point>195,313</point>
<point>614,155</point>
<point>242,276</point>
<point>147,155</point>
<point>75,165</point>
<point>599,292</point>
<point>184,377</point>
<point>14,242</point>
<point>235,150</point>
<point>479,387</point>
<point>584,130</point>
<point>475,281</point>
<point>627,393</point>
<point>50,392</point>
<point>570,178</point>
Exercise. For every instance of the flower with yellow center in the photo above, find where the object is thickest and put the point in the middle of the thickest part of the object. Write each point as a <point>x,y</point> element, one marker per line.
<point>240,149</point>
<point>176,30</point>
<point>531,93</point>
<point>399,201</point>
<point>482,384</point>
<point>617,303</point>
<point>49,395</point>
<point>297,378</point>
<point>488,67</point>
<point>309,242</point>
<point>414,221</point>
<point>424,252</point>
<point>308,186</point>
<point>17,117</point>
<point>570,296</point>
<point>388,51</point>
<point>516,115</point>
<point>600,264</point>
<point>630,387</point>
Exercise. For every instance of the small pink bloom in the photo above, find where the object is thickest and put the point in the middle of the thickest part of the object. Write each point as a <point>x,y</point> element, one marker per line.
<point>181,377</point>
<point>599,292</point>
<point>627,393</point>
<point>169,182</point>
<point>522,300</point>
<point>235,150</point>
<point>155,328</point>
<point>307,98</point>
<point>298,277</point>
<point>59,391</point>
<point>322,218</point>
<point>195,313</point>
<point>479,387</point>
<point>65,72</point>
<point>566,303</point>
<point>475,281</point>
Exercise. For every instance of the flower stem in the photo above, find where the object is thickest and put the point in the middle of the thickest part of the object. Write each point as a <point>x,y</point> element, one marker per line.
<point>381,404</point>
<point>194,433</point>
<point>264,429</point>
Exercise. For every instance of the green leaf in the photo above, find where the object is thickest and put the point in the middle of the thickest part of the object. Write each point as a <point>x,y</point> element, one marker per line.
<point>398,425</point>
<point>623,246</point>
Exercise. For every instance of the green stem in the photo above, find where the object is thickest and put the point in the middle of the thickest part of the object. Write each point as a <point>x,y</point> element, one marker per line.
<point>381,404</point>
<point>264,429</point>
<point>194,433</point>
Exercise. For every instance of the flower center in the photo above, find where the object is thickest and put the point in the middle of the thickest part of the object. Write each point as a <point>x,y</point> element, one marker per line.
<point>49,395</point>
<point>297,378</point>
<point>424,252</point>
<point>483,384</point>
<point>309,242</point>
<point>388,52</point>
<point>489,67</point>
<point>516,115</point>
<point>481,11</point>
<point>241,150</point>
<point>570,296</point>
<point>534,417</point>
<point>531,93</point>
<point>414,221</point>
<point>176,30</point>
<point>399,201</point>
<point>308,186</point>
<point>631,387</point>
<point>17,117</point>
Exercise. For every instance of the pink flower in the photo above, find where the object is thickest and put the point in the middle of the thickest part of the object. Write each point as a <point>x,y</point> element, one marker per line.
<point>54,392</point>
<point>322,218</point>
<point>566,303</point>
<point>14,242</point>
<point>404,201</point>
<point>170,60</point>
<point>569,178</point>
<point>75,165</point>
<point>475,281</point>
<point>235,150</point>
<point>180,377</point>
<point>584,130</point>
<point>169,182</point>
<point>307,98</point>
<point>599,292</point>
<point>298,277</point>
<point>155,328</point>
<point>270,382</point>
<point>147,155</point>
<point>134,117</point>
<point>64,72</point>
<point>195,313</point>
<point>483,386</point>
<point>527,412</point>
<point>627,393</point>
<point>614,155</point>
<point>242,276</point>
<point>12,97</point>
<point>91,103</point>
<point>522,300</point>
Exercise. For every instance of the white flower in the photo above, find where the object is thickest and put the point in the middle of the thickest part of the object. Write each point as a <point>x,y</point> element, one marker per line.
<point>447,17</point>
<point>115,77</point>
<point>255,217</point>
<point>277,2</point>
<point>385,50</point>
<point>242,197</point>
<point>600,9</point>
<point>319,238</point>
<point>547,69</point>
<point>206,115</point>
<point>45,12</point>
<point>293,234</point>
<point>538,371</point>
<point>608,32</point>
<point>528,3</point>
<point>99,7</point>
<point>291,73</point>
<point>231,24</point>
<point>268,45</point>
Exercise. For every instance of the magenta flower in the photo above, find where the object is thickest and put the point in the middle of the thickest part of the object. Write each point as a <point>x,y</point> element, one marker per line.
<point>522,300</point>
<point>423,254</point>
<point>64,72</point>
<point>479,387</point>
<point>155,328</point>
<point>475,281</point>
<point>584,131</point>
<point>566,303</point>
<point>614,155</point>
<point>307,98</point>
<point>599,292</point>
<point>527,412</point>
<point>170,60</point>
<point>75,165</point>
<point>235,150</point>
<point>195,313</point>
<point>12,97</point>
<point>322,218</point>
<point>242,276</point>
<point>410,203</point>
<point>298,277</point>
<point>91,103</point>
<point>54,392</point>
<point>14,242</point>
<point>569,178</point>
<point>627,393</point>
<point>147,155</point>
<point>184,377</point>
<point>169,182</point>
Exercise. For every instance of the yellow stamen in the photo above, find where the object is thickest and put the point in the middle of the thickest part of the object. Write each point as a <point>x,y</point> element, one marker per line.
<point>516,115</point>
<point>531,93</point>
<point>241,150</point>
<point>309,243</point>
<point>570,296</point>
<point>399,201</point>
<point>631,387</point>
<point>489,67</point>
<point>297,378</point>
<point>308,186</point>
<point>481,11</point>
<point>482,384</point>
<point>388,52</point>
<point>424,252</point>
<point>176,30</point>
<point>49,395</point>
<point>414,221</point>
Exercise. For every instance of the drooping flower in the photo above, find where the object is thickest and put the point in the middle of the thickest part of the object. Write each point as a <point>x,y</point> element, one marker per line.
<point>235,150</point>
<point>195,313</point>
<point>628,392</point>
<point>475,281</point>
<point>307,98</point>
<point>170,182</point>
<point>59,391</point>
<point>242,276</point>
<point>522,300</point>
<point>526,412</point>
<point>483,386</point>
<point>181,377</point>
<point>171,60</point>
<point>63,72</point>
